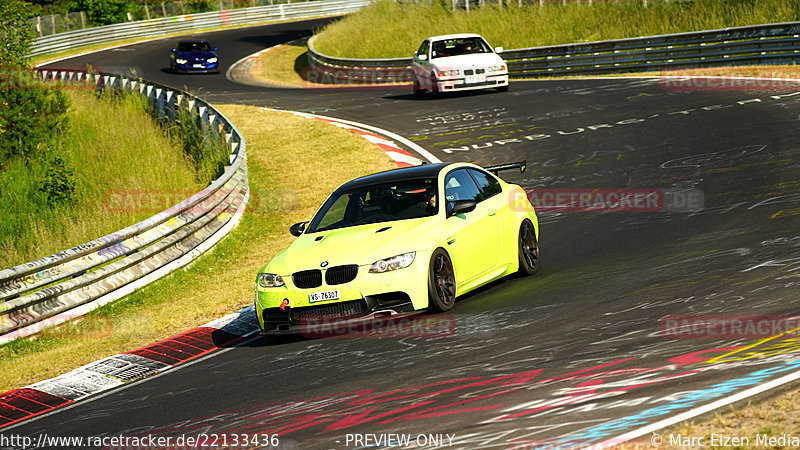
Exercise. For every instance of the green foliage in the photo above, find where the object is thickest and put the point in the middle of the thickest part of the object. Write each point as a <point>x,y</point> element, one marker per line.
<point>58,183</point>
<point>15,34</point>
<point>389,29</point>
<point>205,148</point>
<point>102,12</point>
<point>30,113</point>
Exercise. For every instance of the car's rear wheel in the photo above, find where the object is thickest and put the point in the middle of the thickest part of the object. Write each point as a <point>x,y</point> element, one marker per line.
<point>441,282</point>
<point>528,249</point>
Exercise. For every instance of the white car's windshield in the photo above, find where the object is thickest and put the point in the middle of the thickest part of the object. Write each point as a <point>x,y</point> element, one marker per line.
<point>397,200</point>
<point>459,46</point>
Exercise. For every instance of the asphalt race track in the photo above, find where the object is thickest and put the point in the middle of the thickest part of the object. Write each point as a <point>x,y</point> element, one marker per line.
<point>577,354</point>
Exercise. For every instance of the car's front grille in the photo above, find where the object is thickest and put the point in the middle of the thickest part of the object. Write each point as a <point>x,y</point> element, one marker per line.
<point>332,311</point>
<point>341,274</point>
<point>307,279</point>
<point>473,72</point>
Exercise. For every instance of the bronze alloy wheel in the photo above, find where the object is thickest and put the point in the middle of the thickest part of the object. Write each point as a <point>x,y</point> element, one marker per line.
<point>441,282</point>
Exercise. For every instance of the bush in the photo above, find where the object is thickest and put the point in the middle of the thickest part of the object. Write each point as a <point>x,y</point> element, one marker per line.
<point>58,183</point>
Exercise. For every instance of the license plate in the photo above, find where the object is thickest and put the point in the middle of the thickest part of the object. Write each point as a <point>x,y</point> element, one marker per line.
<point>476,79</point>
<point>199,66</point>
<point>323,296</point>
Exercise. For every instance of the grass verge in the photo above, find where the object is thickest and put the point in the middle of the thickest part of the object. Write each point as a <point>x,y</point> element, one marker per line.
<point>376,32</point>
<point>282,193</point>
<point>770,418</point>
<point>282,65</point>
<point>105,157</point>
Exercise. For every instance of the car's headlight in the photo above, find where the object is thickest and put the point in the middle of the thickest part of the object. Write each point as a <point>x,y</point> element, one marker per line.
<point>448,73</point>
<point>268,280</point>
<point>393,263</point>
<point>497,68</point>
<point>181,61</point>
<point>211,60</point>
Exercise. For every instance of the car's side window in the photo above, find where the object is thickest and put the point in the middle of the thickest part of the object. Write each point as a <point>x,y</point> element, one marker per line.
<point>488,185</point>
<point>423,49</point>
<point>458,185</point>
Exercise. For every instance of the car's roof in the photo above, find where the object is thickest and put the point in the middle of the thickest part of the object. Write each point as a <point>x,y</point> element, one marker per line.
<point>190,41</point>
<point>405,173</point>
<point>453,36</point>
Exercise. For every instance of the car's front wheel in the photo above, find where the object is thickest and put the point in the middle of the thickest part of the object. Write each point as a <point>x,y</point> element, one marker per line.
<point>418,91</point>
<point>528,249</point>
<point>502,88</point>
<point>441,282</point>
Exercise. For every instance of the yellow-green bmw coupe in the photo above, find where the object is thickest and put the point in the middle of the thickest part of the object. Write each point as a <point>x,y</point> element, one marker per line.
<point>399,241</point>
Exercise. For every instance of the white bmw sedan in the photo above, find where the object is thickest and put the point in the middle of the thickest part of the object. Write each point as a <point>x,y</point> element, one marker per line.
<point>458,62</point>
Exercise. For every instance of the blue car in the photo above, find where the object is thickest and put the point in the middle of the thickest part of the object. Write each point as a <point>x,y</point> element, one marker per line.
<point>194,56</point>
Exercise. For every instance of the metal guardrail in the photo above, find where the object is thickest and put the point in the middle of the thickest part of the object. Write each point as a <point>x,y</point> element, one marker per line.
<point>190,23</point>
<point>762,44</point>
<point>62,286</point>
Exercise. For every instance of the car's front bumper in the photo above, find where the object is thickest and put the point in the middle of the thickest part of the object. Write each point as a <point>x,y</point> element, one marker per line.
<point>369,295</point>
<point>461,83</point>
<point>192,68</point>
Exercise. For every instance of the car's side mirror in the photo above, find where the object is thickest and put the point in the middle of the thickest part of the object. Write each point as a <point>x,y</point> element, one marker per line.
<point>298,228</point>
<point>173,50</point>
<point>422,57</point>
<point>498,49</point>
<point>216,48</point>
<point>461,207</point>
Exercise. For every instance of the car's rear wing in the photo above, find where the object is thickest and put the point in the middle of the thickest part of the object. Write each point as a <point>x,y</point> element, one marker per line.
<point>517,165</point>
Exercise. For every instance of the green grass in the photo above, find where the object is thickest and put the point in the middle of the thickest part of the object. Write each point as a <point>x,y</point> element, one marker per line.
<point>388,29</point>
<point>221,281</point>
<point>112,145</point>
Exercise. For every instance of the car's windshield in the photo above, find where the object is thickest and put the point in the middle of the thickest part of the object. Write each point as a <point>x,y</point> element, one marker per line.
<point>459,46</point>
<point>397,200</point>
<point>193,47</point>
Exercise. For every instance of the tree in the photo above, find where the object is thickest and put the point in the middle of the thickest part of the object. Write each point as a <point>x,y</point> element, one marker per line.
<point>102,12</point>
<point>15,34</point>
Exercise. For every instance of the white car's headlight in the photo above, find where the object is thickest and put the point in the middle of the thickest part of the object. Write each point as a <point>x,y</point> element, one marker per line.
<point>393,263</point>
<point>181,61</point>
<point>211,60</point>
<point>500,68</point>
<point>268,280</point>
<point>448,73</point>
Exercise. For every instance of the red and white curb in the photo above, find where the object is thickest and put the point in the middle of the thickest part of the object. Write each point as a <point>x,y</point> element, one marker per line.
<point>109,373</point>
<point>401,157</point>
<point>384,139</point>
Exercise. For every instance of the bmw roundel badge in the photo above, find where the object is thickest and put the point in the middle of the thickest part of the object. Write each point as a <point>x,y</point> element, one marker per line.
<point>324,264</point>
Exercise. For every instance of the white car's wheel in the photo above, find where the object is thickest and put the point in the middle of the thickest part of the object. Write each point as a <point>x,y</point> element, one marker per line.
<point>418,90</point>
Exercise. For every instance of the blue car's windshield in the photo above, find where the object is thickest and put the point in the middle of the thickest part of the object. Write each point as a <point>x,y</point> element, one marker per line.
<point>398,200</point>
<point>194,47</point>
